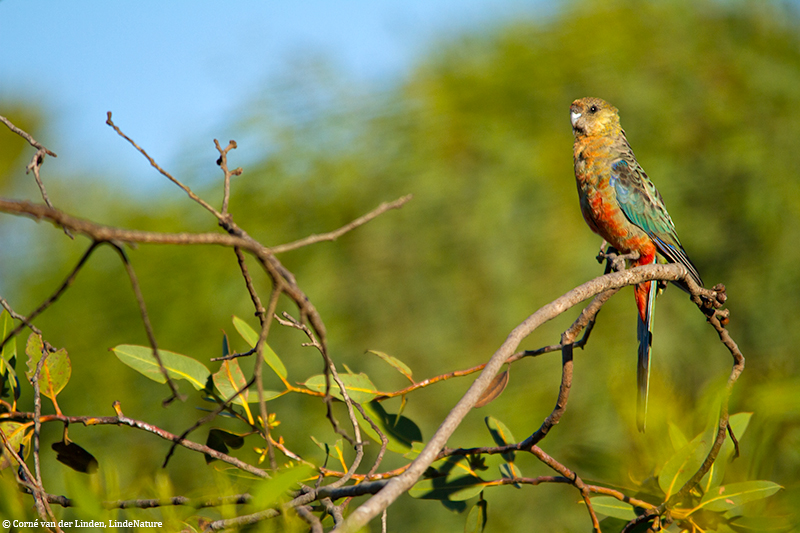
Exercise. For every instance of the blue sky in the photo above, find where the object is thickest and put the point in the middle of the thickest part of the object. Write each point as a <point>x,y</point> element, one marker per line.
<point>175,73</point>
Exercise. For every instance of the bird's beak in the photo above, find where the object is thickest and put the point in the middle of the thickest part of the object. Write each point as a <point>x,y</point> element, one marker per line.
<point>574,117</point>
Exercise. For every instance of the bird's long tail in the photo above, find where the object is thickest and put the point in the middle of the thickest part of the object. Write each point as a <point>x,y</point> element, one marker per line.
<point>647,298</point>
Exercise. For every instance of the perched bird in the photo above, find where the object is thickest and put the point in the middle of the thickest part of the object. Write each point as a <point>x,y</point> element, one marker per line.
<point>621,204</point>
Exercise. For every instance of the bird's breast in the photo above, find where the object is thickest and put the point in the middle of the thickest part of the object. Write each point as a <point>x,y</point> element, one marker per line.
<point>598,198</point>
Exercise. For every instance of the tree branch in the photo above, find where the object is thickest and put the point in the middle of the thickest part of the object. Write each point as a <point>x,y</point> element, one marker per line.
<point>400,484</point>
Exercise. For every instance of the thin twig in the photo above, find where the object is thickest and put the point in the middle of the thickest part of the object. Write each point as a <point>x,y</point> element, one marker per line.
<point>223,406</point>
<point>257,371</point>
<point>151,503</point>
<point>148,327</point>
<point>330,366</point>
<point>307,496</point>
<point>234,355</point>
<point>122,420</point>
<point>27,136</point>
<point>335,234</point>
<point>27,479</point>
<point>27,321</point>
<point>304,512</point>
<point>381,435</point>
<point>163,172</point>
<point>223,164</point>
<point>36,161</point>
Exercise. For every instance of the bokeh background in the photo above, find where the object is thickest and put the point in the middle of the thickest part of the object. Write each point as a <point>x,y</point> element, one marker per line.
<point>466,107</point>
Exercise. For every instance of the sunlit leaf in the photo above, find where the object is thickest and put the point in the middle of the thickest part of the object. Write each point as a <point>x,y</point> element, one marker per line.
<point>401,432</point>
<point>610,506</point>
<point>358,386</point>
<point>18,434</point>
<point>268,395</point>
<point>494,389</point>
<point>763,524</point>
<point>8,359</point>
<point>331,450</point>
<point>501,435</point>
<point>677,437</point>
<point>687,460</point>
<point>736,494</point>
<point>229,379</point>
<point>251,338</point>
<point>248,334</point>
<point>140,358</point>
<point>416,449</point>
<point>476,519</point>
<point>511,471</point>
<point>268,492</point>
<point>715,475</point>
<point>55,371</point>
<point>396,363</point>
<point>682,466</point>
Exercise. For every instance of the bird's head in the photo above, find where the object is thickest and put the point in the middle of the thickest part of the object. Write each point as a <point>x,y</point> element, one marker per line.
<point>593,116</point>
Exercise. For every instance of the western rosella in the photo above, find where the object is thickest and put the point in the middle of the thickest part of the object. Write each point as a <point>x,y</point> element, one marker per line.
<point>621,204</point>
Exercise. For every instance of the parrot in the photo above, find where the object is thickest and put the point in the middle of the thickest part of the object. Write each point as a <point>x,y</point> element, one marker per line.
<point>620,203</point>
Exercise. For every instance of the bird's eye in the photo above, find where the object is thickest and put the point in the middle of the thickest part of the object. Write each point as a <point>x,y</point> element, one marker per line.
<point>593,109</point>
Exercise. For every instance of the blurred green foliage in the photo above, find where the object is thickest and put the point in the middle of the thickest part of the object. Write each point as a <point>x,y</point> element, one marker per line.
<point>479,133</point>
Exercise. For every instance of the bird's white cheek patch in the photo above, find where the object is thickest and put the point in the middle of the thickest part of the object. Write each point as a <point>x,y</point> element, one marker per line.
<point>574,117</point>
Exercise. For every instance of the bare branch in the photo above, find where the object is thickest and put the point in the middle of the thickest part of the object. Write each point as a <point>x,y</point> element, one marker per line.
<point>27,136</point>
<point>223,164</point>
<point>163,172</point>
<point>36,161</point>
<point>122,420</point>
<point>333,235</point>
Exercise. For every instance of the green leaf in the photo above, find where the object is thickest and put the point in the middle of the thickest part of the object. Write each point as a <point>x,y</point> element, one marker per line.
<point>8,376</point>
<point>10,348</point>
<point>333,451</point>
<point>511,471</point>
<point>736,494</point>
<point>56,369</point>
<point>17,433</point>
<point>688,459</point>
<point>715,475</point>
<point>453,488</point>
<point>681,466</point>
<point>763,524</point>
<point>248,334</point>
<point>8,359</point>
<point>476,519</point>
<point>610,506</point>
<point>416,449</point>
<point>268,492</point>
<point>251,338</point>
<point>401,432</point>
<point>140,358</point>
<point>396,363</point>
<point>677,437</point>
<point>268,395</point>
<point>358,386</point>
<point>229,379</point>
<point>501,435</point>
